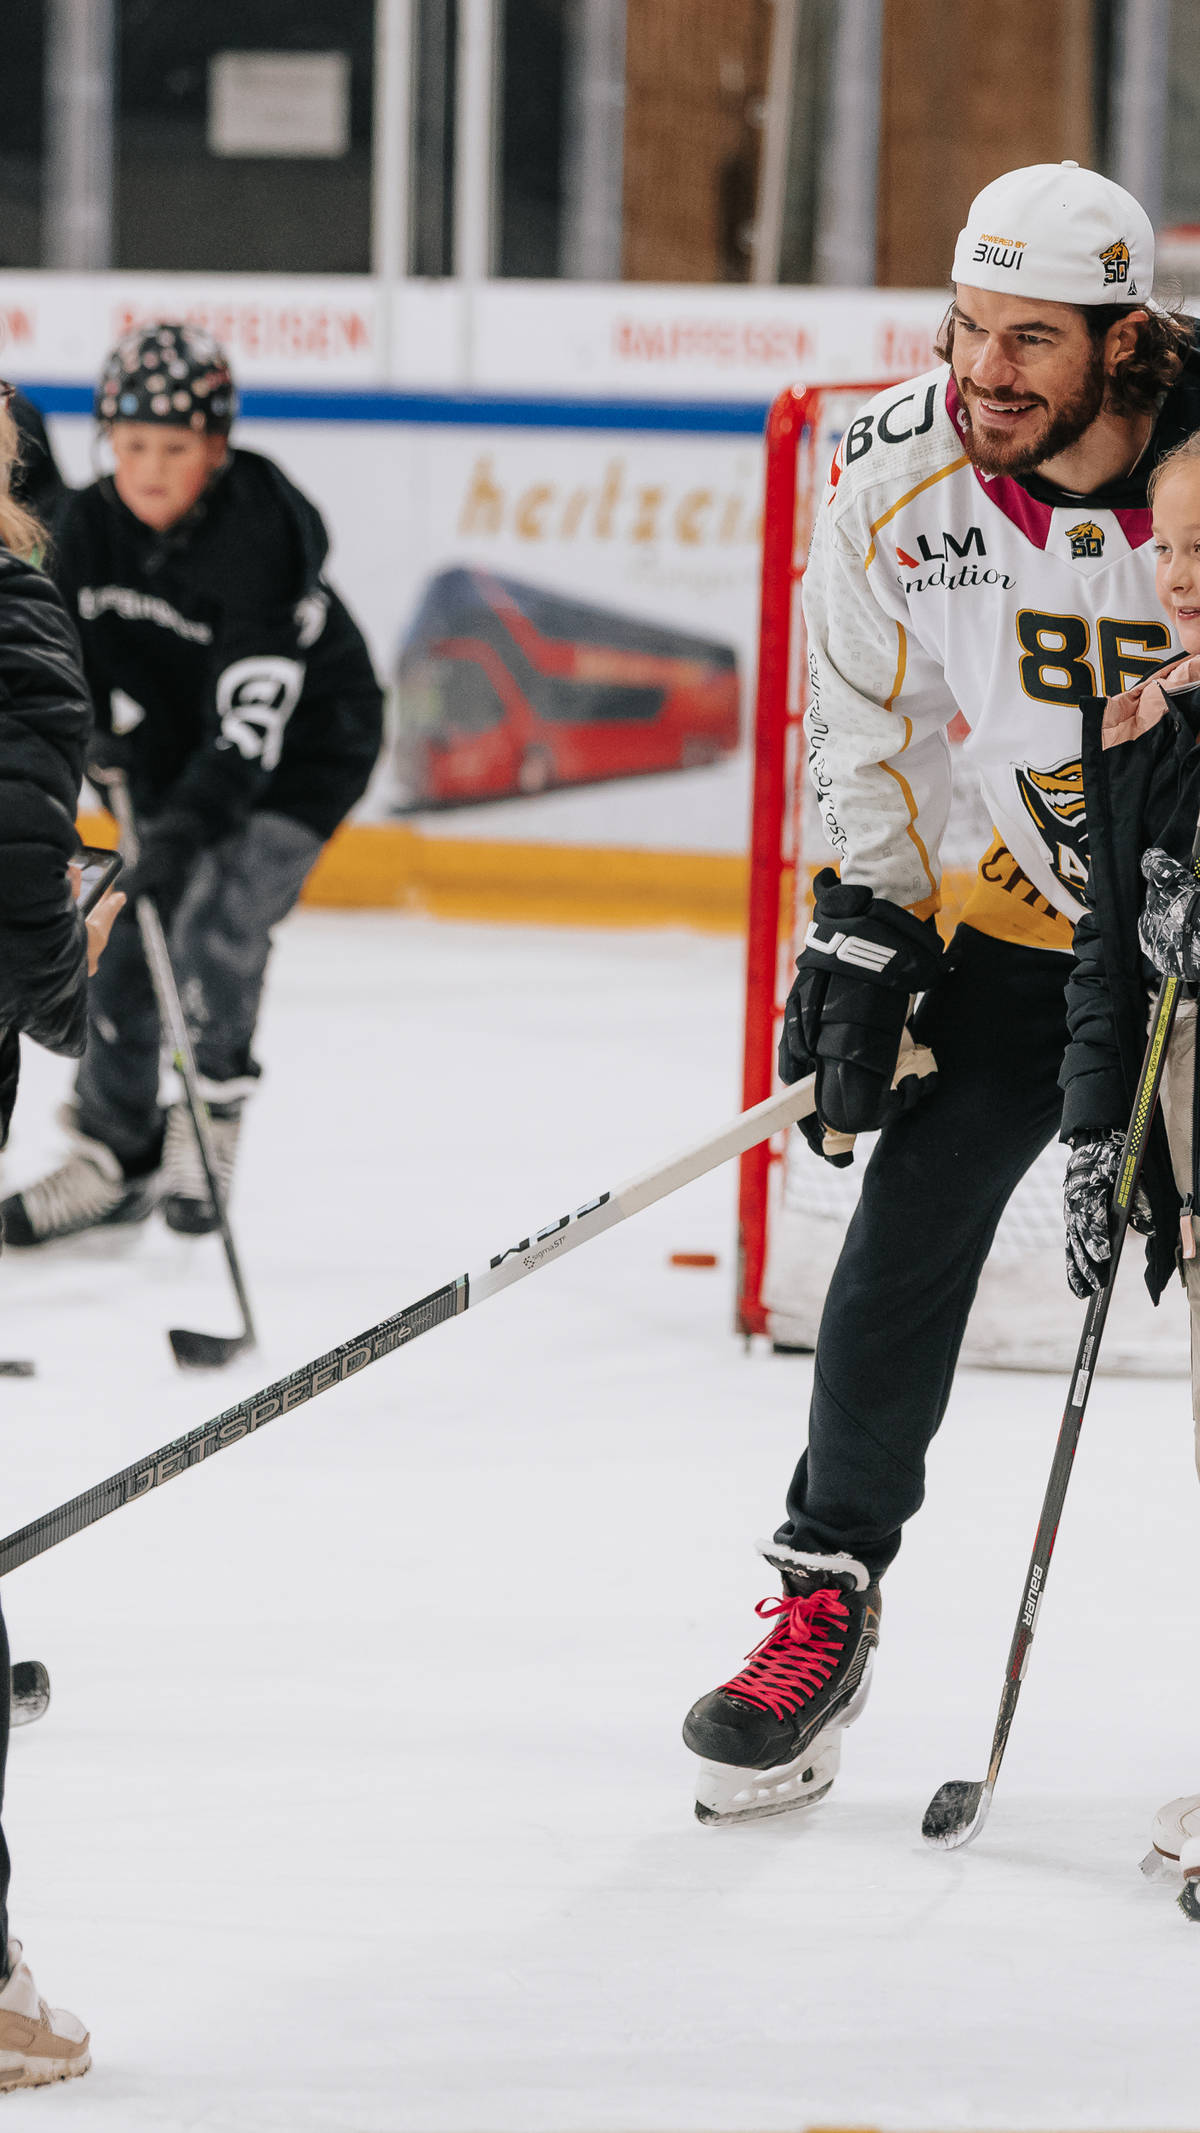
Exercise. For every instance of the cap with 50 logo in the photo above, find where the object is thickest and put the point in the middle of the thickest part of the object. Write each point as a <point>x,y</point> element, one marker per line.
<point>1059,234</point>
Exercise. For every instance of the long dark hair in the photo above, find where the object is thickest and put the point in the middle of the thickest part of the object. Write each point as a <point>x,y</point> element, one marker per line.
<point>1159,352</point>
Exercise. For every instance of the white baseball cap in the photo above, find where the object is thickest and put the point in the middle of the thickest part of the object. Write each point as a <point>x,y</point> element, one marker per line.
<point>1054,231</point>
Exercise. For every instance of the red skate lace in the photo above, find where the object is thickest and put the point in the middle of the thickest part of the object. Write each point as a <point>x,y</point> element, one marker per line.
<point>798,1656</point>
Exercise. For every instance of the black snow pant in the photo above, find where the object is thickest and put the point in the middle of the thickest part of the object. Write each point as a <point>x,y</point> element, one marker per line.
<point>220,941</point>
<point>5,1678</point>
<point>933,1193</point>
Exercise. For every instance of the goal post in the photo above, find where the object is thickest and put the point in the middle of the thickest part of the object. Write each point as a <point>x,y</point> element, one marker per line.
<point>792,444</point>
<point>792,1208</point>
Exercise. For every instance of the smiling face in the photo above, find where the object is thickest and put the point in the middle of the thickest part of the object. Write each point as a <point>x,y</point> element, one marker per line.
<point>1177,549</point>
<point>162,471</point>
<point>1030,377</point>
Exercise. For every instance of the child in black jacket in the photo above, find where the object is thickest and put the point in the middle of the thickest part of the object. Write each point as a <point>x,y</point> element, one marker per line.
<point>1141,779</point>
<point>234,691</point>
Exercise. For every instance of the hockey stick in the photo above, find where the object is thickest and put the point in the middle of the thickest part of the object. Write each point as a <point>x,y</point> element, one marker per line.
<point>959,1808</point>
<point>527,1256</point>
<point>192,1351</point>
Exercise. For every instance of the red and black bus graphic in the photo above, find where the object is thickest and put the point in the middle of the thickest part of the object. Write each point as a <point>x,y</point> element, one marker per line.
<point>508,688</point>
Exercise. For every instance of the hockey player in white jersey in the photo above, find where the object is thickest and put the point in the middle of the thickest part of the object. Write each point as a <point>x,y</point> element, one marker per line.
<point>984,547</point>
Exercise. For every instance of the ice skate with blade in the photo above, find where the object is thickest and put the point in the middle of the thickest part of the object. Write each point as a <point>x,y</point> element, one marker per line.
<point>770,1739</point>
<point>90,1190</point>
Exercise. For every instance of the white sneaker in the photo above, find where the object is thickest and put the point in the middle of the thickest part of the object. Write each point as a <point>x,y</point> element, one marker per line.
<point>37,2043</point>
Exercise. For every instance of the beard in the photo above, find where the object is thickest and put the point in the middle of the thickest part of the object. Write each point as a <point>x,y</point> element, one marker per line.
<point>1061,426</point>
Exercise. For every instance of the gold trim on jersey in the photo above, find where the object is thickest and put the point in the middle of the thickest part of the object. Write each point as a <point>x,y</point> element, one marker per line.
<point>1005,904</point>
<point>933,901</point>
<point>953,468</point>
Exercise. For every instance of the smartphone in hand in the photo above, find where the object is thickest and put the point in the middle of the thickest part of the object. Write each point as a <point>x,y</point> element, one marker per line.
<point>98,870</point>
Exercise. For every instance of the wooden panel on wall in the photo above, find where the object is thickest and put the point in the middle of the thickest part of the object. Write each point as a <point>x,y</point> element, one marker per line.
<point>969,90</point>
<point>695,77</point>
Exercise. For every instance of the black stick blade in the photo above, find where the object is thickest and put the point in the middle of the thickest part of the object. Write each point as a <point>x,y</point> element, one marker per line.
<point>956,1813</point>
<point>207,1351</point>
<point>1189,1902</point>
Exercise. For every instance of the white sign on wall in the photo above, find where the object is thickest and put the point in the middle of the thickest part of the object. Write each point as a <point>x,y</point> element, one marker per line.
<point>279,104</point>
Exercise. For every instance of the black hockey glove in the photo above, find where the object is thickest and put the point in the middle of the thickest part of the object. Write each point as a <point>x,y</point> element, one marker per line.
<point>108,752</point>
<point>1170,920</point>
<point>170,848</point>
<point>1087,1208</point>
<point>863,959</point>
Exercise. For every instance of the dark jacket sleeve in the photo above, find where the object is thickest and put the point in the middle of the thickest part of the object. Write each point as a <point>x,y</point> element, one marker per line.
<point>1092,1078</point>
<point>45,719</point>
<point>1108,997</point>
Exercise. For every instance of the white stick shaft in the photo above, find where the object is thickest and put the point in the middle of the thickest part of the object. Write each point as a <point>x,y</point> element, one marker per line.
<point>745,1131</point>
<point>733,1138</point>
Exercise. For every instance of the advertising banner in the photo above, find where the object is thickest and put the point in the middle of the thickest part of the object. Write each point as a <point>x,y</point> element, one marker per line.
<point>544,507</point>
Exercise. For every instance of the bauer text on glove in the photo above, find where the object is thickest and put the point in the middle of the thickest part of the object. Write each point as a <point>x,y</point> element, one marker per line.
<point>863,959</point>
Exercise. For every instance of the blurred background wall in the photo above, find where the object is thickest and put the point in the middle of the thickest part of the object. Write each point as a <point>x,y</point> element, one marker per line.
<point>829,142</point>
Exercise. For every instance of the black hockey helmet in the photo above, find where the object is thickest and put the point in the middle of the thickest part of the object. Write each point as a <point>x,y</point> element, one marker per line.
<point>171,373</point>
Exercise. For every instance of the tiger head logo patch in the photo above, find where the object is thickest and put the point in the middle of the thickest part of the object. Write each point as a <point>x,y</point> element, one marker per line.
<point>1087,539</point>
<point>1115,262</point>
<point>1053,800</point>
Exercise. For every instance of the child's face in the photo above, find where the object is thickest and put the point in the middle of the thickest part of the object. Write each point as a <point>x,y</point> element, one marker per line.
<point>1177,550</point>
<point>161,471</point>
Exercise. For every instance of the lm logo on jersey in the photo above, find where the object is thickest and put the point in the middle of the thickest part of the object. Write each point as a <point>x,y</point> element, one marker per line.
<point>972,539</point>
<point>1053,800</point>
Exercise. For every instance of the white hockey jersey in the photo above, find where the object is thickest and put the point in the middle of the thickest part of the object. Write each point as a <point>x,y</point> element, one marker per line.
<point>933,590</point>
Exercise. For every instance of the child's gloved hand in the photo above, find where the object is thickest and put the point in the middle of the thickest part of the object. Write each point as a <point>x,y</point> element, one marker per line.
<point>1170,919</point>
<point>170,849</point>
<point>1087,1208</point>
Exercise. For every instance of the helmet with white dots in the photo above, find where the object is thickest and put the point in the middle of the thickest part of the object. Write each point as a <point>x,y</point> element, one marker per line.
<point>171,372</point>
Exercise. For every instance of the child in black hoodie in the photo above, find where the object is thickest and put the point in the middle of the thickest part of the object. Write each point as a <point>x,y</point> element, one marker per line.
<point>235,692</point>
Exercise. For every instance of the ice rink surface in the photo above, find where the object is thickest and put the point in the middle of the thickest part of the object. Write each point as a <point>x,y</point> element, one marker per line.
<point>361,1803</point>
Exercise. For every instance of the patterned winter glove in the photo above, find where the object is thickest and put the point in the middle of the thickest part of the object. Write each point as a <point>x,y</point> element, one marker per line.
<point>1087,1209</point>
<point>863,959</point>
<point>1170,920</point>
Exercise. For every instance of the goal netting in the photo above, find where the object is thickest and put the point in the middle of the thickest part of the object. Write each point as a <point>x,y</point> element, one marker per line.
<point>793,1209</point>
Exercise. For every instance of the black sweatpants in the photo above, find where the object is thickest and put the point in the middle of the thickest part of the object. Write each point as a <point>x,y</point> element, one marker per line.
<point>5,1683</point>
<point>220,944</point>
<point>933,1193</point>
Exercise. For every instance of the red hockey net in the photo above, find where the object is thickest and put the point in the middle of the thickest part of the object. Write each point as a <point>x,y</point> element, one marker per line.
<point>792,1208</point>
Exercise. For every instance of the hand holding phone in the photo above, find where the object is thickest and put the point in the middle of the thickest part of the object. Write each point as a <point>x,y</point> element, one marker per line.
<point>92,874</point>
<point>93,868</point>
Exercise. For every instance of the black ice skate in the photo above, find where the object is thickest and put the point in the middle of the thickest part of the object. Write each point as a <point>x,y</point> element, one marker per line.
<point>187,1203</point>
<point>89,1191</point>
<point>771,1738</point>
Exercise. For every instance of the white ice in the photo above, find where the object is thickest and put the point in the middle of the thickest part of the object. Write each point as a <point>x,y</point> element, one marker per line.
<point>361,1803</point>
